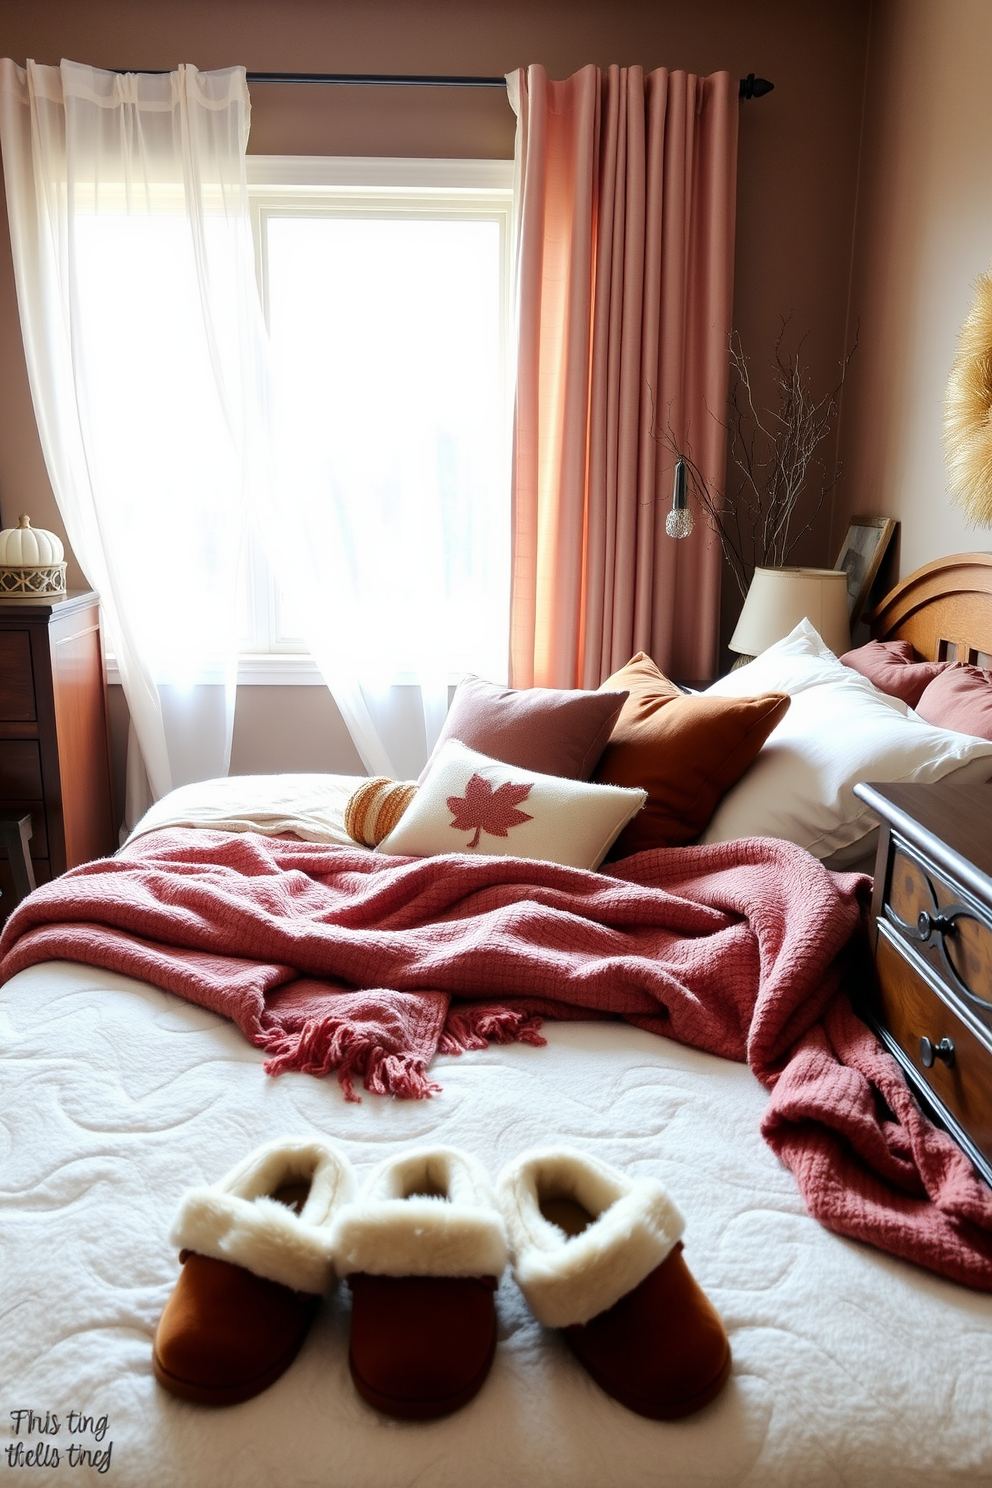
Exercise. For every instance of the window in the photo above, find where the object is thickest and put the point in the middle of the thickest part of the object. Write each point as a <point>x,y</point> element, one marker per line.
<point>385,286</point>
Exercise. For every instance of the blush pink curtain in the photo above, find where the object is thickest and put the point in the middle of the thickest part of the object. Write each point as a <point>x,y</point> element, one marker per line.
<point>626,191</point>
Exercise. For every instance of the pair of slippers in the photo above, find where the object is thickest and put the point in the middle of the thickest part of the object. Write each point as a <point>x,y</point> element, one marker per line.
<point>597,1254</point>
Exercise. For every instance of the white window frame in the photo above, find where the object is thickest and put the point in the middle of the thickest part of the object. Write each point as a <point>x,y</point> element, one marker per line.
<point>364,186</point>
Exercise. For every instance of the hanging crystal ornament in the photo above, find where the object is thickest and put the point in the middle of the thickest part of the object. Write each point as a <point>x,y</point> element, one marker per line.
<point>679,522</point>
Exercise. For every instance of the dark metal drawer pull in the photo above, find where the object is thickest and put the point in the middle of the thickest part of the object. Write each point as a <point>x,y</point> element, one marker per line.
<point>931,1052</point>
<point>926,924</point>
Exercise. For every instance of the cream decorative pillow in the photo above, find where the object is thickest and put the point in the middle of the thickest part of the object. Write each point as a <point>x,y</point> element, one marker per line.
<point>471,803</point>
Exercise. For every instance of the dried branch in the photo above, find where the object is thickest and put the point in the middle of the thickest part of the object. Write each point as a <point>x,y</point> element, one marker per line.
<point>775,451</point>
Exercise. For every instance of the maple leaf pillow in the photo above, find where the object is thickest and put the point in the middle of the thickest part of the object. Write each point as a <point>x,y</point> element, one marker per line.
<point>470,803</point>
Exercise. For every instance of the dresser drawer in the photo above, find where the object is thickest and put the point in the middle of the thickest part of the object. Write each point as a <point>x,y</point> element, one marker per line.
<point>20,770</point>
<point>945,927</point>
<point>54,747</point>
<point>21,790</point>
<point>17,703</point>
<point>909,1009</point>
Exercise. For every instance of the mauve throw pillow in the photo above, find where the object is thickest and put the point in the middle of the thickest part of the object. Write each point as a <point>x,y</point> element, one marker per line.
<point>894,668</point>
<point>551,730</point>
<point>959,699</point>
<point>685,750</point>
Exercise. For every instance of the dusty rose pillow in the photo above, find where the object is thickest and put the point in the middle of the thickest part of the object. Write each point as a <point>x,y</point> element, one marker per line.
<point>685,750</point>
<point>894,668</point>
<point>547,729</point>
<point>959,699</point>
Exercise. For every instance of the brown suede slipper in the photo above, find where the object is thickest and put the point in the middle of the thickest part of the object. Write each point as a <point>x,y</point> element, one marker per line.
<point>226,1334</point>
<point>599,1255</point>
<point>421,1346</point>
<point>423,1248</point>
<point>661,1350</point>
<point>256,1259</point>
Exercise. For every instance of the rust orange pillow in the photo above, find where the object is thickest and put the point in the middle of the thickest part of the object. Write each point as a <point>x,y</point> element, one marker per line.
<point>684,749</point>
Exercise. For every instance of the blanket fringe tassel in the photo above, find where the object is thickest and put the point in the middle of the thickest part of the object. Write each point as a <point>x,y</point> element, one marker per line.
<point>324,1044</point>
<point>470,1027</point>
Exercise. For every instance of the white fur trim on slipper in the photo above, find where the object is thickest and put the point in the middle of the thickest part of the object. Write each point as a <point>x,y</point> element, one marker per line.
<point>635,1225</point>
<point>430,1212</point>
<point>238,1220</point>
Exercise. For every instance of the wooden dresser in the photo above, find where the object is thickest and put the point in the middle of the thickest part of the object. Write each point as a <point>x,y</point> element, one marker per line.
<point>54,740</point>
<point>931,1002</point>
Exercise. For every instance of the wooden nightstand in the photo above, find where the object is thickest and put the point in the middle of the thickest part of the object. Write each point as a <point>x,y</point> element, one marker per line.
<point>931,1003</point>
<point>54,753</point>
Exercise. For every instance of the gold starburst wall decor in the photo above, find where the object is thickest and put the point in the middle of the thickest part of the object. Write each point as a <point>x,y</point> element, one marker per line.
<point>968,411</point>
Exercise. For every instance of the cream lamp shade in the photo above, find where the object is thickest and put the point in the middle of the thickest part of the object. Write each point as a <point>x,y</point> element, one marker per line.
<point>780,597</point>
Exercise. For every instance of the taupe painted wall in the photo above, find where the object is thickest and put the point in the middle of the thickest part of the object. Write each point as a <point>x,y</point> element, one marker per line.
<point>799,151</point>
<point>924,234</point>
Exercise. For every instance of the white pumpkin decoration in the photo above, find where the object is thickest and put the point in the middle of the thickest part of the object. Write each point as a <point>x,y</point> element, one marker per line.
<point>24,546</point>
<point>30,562</point>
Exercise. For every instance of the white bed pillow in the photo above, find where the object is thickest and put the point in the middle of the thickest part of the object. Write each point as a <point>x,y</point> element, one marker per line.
<point>800,660</point>
<point>471,803</point>
<point>839,730</point>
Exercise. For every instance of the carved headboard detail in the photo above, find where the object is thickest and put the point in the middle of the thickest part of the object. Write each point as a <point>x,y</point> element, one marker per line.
<point>943,609</point>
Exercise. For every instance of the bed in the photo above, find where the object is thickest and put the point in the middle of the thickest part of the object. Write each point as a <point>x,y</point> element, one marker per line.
<point>850,1366</point>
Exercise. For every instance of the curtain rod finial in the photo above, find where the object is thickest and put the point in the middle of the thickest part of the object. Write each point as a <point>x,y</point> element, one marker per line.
<point>754,87</point>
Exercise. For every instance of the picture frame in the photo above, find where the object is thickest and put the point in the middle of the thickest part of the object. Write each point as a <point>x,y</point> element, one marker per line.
<point>861,557</point>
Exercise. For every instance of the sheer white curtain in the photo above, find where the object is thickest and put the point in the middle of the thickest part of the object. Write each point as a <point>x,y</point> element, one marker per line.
<point>150,376</point>
<point>127,210</point>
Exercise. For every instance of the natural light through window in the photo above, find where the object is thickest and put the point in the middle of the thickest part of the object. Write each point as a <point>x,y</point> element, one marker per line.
<point>387,315</point>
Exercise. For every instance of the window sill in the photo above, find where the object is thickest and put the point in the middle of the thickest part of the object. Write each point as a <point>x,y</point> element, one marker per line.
<point>270,669</point>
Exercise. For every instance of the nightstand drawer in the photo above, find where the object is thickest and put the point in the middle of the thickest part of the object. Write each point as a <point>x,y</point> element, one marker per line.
<point>910,1010</point>
<point>947,929</point>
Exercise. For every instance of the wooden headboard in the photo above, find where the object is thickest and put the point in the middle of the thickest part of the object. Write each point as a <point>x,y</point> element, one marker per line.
<point>943,609</point>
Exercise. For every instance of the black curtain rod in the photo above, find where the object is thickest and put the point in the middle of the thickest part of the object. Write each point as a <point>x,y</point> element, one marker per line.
<point>378,79</point>
<point>750,87</point>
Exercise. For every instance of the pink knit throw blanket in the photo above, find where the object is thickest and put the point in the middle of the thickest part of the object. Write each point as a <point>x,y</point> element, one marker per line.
<point>340,959</point>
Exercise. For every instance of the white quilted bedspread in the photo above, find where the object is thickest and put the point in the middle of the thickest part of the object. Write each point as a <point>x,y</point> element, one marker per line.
<point>849,1368</point>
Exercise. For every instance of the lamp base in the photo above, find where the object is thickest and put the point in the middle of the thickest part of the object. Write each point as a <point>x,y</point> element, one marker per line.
<point>741,661</point>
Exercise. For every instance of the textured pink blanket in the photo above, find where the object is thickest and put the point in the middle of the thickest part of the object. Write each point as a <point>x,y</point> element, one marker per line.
<point>340,959</point>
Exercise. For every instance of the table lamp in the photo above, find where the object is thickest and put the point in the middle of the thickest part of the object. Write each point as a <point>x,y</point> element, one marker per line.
<point>780,597</point>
